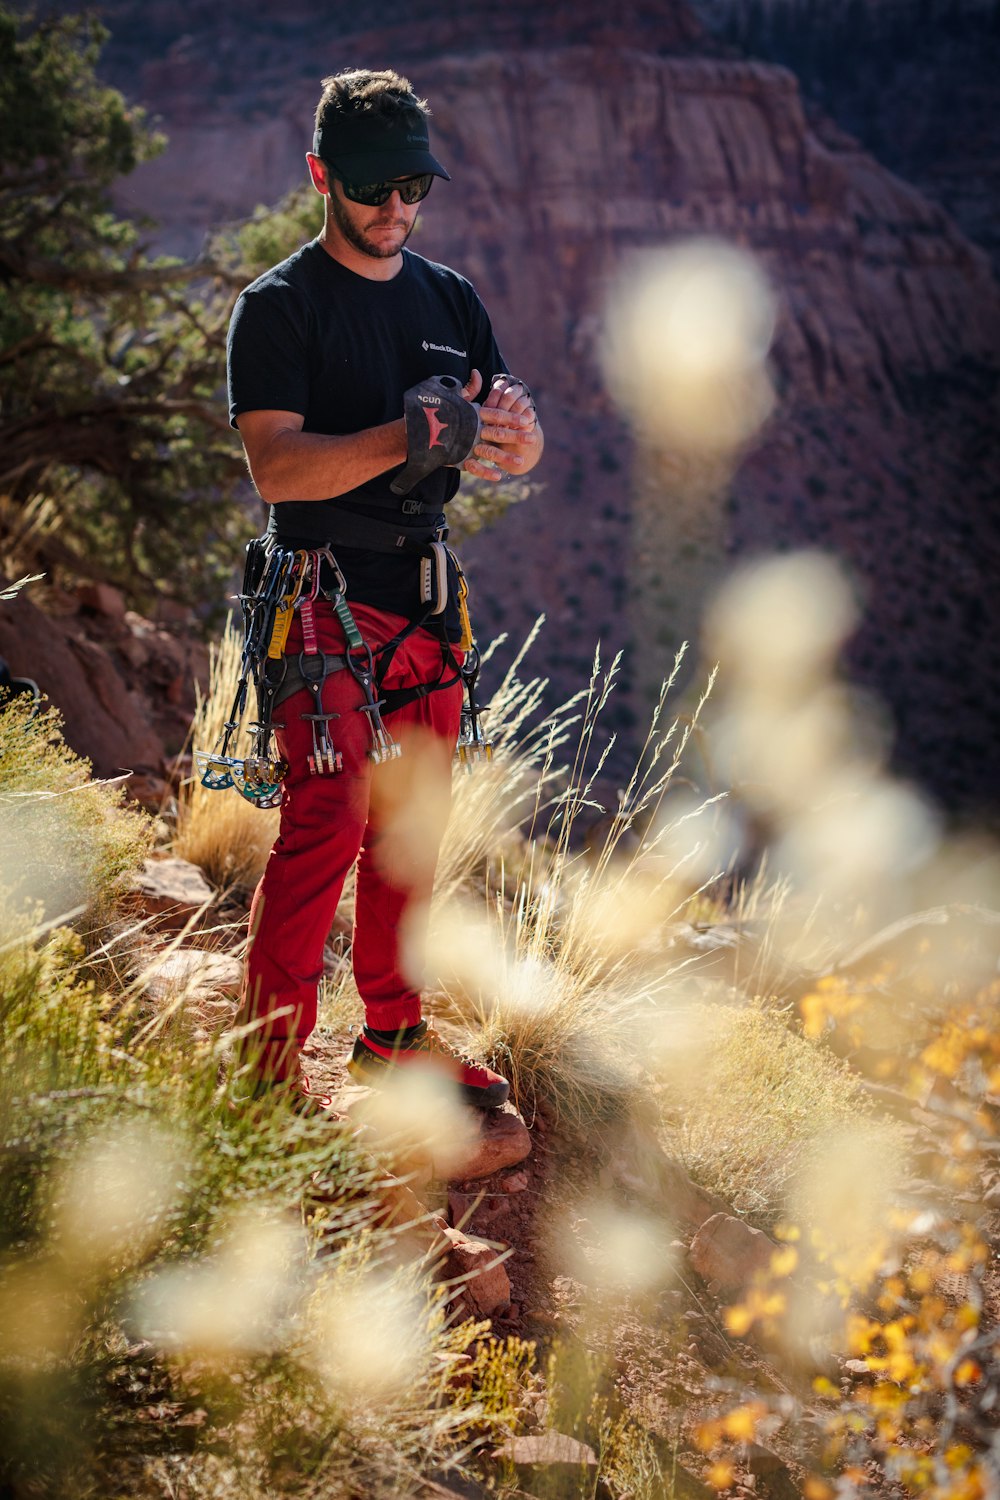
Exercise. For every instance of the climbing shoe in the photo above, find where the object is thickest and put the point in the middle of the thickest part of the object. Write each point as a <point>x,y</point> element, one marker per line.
<point>375,1063</point>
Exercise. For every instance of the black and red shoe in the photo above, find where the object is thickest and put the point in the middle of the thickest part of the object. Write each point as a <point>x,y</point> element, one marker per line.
<point>374,1063</point>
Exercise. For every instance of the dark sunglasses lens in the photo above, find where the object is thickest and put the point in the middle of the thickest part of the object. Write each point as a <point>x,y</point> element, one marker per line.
<point>374,194</point>
<point>416,188</point>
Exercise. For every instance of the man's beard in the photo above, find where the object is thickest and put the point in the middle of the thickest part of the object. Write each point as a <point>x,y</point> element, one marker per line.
<point>358,239</point>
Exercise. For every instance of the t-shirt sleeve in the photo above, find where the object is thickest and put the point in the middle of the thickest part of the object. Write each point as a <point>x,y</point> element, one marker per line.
<point>483,348</point>
<point>266,360</point>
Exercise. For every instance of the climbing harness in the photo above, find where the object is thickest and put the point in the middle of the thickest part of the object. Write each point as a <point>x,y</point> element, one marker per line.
<point>278,581</point>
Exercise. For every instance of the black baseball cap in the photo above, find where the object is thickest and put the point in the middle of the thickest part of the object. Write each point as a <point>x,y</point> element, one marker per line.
<point>375,148</point>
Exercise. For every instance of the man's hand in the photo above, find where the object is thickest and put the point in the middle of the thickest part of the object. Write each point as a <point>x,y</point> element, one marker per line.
<point>510,440</point>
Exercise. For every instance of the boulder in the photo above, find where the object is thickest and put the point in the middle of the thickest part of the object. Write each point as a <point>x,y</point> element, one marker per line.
<point>494,1139</point>
<point>172,891</point>
<point>195,973</point>
<point>194,990</point>
<point>483,1283</point>
<point>503,1141</point>
<point>102,599</point>
<point>730,1252</point>
<point>547,1448</point>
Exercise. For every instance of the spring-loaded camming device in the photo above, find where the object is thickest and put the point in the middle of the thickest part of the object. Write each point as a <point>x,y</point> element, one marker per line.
<point>383,746</point>
<point>473,746</point>
<point>324,760</point>
<point>268,580</point>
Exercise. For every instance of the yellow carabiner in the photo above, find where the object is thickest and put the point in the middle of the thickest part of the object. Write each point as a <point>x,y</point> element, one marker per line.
<point>463,604</point>
<point>283,614</point>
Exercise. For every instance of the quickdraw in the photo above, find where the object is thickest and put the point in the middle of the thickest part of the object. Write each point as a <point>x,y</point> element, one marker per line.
<point>323,758</point>
<point>278,581</point>
<point>257,777</point>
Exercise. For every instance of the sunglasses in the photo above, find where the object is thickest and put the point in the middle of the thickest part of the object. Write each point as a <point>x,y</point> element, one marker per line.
<point>374,194</point>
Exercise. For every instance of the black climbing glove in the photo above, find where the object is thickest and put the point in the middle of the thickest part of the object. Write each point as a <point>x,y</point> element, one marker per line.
<point>441,428</point>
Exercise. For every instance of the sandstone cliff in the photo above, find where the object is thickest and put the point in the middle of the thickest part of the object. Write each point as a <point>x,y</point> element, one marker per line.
<point>915,80</point>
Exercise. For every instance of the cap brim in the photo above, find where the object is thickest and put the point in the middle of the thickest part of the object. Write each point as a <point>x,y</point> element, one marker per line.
<point>383,166</point>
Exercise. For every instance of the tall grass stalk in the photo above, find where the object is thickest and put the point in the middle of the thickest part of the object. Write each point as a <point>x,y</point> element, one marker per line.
<point>569,932</point>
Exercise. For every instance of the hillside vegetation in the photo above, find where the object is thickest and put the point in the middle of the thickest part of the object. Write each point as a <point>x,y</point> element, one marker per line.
<point>200,1301</point>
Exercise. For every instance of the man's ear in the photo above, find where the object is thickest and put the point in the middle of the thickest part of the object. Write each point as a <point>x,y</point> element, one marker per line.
<point>318,173</point>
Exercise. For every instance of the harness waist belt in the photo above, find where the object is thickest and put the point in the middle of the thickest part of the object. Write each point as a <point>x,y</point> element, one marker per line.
<point>347,530</point>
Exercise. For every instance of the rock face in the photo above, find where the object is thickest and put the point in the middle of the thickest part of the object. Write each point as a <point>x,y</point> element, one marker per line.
<point>571,139</point>
<point>124,685</point>
<point>915,80</point>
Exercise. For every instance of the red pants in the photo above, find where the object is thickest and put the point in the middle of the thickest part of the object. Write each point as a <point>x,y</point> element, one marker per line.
<point>328,821</point>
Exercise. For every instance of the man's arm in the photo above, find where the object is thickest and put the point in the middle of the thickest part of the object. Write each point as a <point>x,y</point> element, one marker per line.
<point>289,464</point>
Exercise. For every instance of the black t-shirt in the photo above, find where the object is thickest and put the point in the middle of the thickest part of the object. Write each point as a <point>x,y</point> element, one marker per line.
<point>313,337</point>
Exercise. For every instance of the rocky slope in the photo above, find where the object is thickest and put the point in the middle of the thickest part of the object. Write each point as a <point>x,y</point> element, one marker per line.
<point>571,141</point>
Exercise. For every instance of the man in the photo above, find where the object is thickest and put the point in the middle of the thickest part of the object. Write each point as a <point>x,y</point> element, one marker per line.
<point>354,367</point>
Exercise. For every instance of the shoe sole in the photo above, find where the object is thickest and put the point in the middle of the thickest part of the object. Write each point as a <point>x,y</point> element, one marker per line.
<point>491,1097</point>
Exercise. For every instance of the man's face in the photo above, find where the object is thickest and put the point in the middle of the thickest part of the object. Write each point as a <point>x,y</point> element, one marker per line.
<point>379,232</point>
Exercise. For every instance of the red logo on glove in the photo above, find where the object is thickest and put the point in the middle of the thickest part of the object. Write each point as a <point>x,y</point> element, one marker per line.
<point>436,426</point>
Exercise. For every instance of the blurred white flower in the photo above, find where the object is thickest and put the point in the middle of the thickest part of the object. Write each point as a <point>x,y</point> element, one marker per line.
<point>111,1201</point>
<point>236,1301</point>
<point>367,1336</point>
<point>687,331</point>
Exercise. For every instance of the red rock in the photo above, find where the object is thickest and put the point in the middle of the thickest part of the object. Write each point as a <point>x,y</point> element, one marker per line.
<point>172,890</point>
<point>103,720</point>
<point>503,1142</point>
<point>731,1252</point>
<point>149,790</point>
<point>516,1182</point>
<point>496,1139</point>
<point>484,1284</point>
<point>103,599</point>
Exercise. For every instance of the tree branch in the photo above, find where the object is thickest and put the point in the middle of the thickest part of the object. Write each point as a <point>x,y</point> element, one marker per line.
<point>101,280</point>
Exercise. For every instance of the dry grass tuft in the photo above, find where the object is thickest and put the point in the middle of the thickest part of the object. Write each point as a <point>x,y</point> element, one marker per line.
<point>222,832</point>
<point>553,949</point>
<point>745,1101</point>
